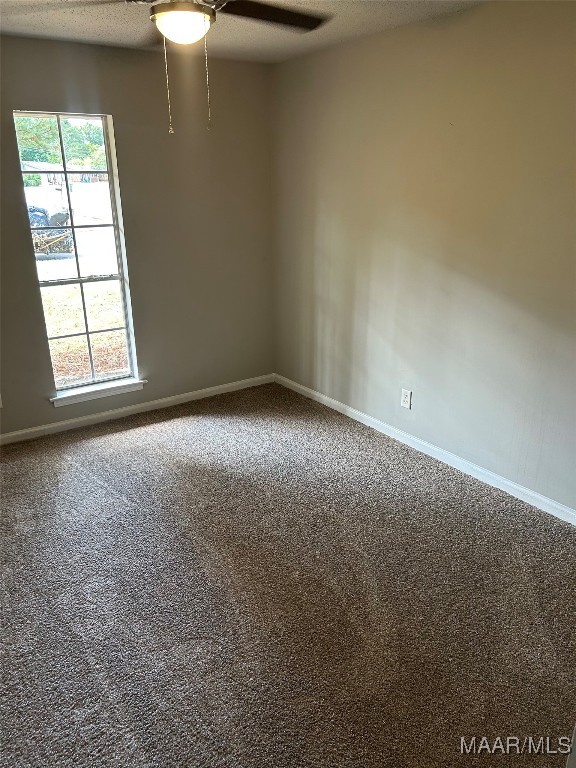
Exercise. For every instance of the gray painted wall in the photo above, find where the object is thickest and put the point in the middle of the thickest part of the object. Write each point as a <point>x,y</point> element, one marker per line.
<point>427,230</point>
<point>197,213</point>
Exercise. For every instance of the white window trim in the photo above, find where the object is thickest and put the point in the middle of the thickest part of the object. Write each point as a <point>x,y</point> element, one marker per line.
<point>115,176</point>
<point>94,391</point>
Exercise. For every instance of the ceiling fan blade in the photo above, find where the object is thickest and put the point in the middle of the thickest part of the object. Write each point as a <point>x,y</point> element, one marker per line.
<point>251,9</point>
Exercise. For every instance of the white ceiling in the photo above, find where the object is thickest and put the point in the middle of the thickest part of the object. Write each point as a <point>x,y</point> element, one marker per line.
<point>128,25</point>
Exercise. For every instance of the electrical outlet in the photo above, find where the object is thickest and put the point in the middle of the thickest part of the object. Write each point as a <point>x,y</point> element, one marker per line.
<point>406,401</point>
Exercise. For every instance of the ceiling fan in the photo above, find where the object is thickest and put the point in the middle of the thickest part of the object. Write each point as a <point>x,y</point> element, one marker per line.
<point>187,21</point>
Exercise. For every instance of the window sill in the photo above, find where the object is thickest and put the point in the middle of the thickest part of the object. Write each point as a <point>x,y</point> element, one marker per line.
<point>94,391</point>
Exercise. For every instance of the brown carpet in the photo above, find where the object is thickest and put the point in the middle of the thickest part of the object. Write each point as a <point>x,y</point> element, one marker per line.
<point>255,581</point>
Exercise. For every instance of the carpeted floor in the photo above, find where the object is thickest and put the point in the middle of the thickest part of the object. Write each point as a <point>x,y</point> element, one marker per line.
<point>254,581</point>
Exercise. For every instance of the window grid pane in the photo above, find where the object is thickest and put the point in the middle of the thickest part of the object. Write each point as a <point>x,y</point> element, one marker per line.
<point>90,183</point>
<point>34,131</point>
<point>103,302</point>
<point>110,354</point>
<point>88,154</point>
<point>97,251</point>
<point>63,310</point>
<point>71,362</point>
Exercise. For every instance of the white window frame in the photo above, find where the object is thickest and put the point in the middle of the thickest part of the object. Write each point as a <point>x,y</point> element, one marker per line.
<point>131,381</point>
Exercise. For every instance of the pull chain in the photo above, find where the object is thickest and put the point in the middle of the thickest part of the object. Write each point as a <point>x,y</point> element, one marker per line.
<point>207,77</point>
<point>170,128</point>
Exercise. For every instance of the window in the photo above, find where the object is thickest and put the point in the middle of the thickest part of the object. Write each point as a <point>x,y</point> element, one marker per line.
<point>71,189</point>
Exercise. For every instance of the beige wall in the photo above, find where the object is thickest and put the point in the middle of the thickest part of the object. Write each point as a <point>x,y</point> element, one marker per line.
<point>197,214</point>
<point>427,232</point>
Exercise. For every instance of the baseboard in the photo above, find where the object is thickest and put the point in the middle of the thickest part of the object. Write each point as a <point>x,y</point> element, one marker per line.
<point>490,478</point>
<point>129,410</point>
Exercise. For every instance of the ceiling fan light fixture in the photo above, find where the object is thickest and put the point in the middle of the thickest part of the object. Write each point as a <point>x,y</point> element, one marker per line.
<point>183,23</point>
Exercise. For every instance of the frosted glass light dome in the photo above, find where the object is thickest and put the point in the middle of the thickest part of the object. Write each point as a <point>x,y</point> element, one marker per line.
<point>182,23</point>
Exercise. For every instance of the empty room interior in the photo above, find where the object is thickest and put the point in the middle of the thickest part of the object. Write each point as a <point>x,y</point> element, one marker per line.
<point>288,375</point>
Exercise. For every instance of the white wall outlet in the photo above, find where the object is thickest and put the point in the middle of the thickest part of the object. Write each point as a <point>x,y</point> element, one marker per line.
<point>406,400</point>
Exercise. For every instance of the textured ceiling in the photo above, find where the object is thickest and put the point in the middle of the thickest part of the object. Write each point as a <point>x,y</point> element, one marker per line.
<point>231,37</point>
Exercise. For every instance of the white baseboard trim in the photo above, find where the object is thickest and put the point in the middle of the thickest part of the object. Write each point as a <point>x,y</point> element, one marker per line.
<point>129,410</point>
<point>490,478</point>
